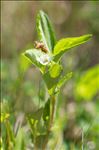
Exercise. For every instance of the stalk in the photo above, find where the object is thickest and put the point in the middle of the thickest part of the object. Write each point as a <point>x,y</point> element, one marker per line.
<point>52,102</point>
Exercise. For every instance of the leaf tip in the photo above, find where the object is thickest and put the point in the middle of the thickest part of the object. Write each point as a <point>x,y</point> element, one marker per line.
<point>41,12</point>
<point>88,36</point>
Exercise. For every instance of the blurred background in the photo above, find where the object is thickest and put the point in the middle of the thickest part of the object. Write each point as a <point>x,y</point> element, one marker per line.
<point>78,102</point>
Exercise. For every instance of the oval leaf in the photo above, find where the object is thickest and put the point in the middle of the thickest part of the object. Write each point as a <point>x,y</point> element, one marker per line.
<point>45,31</point>
<point>51,77</point>
<point>67,43</point>
<point>55,70</point>
<point>38,58</point>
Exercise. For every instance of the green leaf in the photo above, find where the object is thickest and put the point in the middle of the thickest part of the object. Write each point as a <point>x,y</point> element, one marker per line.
<point>88,84</point>
<point>4,116</point>
<point>46,112</point>
<point>20,140</point>
<point>63,79</point>
<point>67,43</point>
<point>52,77</point>
<point>34,120</point>
<point>38,58</point>
<point>23,63</point>
<point>55,70</point>
<point>10,135</point>
<point>45,31</point>
<point>37,114</point>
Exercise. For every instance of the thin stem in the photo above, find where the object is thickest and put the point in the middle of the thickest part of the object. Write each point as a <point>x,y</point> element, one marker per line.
<point>52,111</point>
<point>82,140</point>
<point>51,121</point>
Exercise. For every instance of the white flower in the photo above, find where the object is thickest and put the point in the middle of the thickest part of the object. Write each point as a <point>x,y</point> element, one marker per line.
<point>44,59</point>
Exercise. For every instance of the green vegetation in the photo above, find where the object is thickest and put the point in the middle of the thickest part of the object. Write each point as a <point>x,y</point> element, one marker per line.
<point>39,109</point>
<point>88,84</point>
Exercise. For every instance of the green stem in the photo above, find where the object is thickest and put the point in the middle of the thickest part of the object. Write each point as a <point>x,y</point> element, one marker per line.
<point>52,110</point>
<point>52,102</point>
